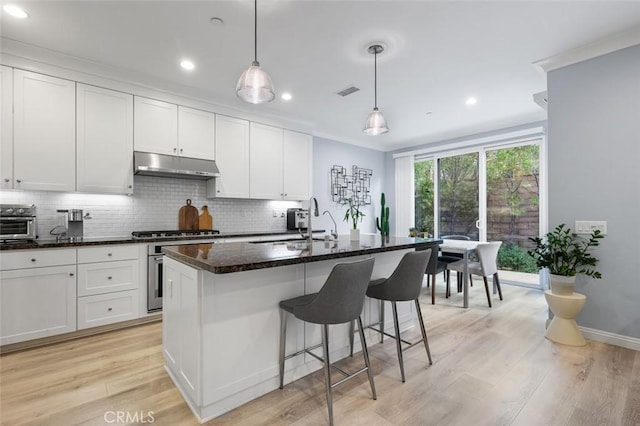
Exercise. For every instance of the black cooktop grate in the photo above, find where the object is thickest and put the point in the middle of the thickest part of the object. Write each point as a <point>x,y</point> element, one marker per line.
<point>174,233</point>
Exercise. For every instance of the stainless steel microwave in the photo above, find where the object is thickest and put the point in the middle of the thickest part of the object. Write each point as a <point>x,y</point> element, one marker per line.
<point>17,222</point>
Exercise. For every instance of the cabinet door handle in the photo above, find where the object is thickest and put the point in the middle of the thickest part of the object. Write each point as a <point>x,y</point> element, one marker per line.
<point>109,309</point>
<point>109,278</point>
<point>130,186</point>
<point>19,180</point>
<point>109,254</point>
<point>180,150</point>
<point>7,180</point>
<point>71,274</point>
<point>33,260</point>
<point>175,149</point>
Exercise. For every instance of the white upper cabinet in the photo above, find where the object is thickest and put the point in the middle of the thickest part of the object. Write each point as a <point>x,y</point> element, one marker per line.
<point>280,162</point>
<point>265,160</point>
<point>105,141</point>
<point>232,158</point>
<point>169,129</point>
<point>44,144</point>
<point>6,127</point>
<point>155,126</point>
<point>297,165</point>
<point>196,133</point>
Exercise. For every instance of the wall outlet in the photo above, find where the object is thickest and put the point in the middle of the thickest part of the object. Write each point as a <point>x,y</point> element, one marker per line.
<point>587,226</point>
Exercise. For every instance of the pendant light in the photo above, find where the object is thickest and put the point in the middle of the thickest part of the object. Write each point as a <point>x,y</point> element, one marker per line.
<point>254,85</point>
<point>376,124</point>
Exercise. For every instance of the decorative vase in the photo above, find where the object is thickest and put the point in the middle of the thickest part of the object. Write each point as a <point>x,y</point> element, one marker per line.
<point>561,285</point>
<point>354,234</point>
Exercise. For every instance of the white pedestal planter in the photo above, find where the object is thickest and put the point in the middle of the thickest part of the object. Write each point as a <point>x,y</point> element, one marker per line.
<point>561,285</point>
<point>354,234</point>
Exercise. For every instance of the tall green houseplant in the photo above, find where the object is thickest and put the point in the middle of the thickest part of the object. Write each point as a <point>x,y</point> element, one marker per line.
<point>566,254</point>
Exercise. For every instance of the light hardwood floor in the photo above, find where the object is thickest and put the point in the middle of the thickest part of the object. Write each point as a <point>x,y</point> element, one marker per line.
<point>491,367</point>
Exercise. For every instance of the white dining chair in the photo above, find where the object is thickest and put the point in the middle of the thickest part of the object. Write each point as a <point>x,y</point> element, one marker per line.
<point>487,266</point>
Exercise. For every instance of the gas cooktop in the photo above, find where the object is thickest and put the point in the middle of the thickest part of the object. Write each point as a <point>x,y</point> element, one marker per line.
<point>177,234</point>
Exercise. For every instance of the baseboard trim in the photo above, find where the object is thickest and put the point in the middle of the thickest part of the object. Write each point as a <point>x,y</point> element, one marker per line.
<point>44,341</point>
<point>611,338</point>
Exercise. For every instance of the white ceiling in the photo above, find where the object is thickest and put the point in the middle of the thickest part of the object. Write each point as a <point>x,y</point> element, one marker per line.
<point>438,54</point>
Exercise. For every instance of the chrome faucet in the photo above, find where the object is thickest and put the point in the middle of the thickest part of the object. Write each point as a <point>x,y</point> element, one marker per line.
<point>313,211</point>
<point>334,231</point>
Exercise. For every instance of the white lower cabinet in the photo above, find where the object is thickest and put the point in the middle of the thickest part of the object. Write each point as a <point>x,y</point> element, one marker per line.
<point>37,302</point>
<point>181,326</point>
<point>108,285</point>
<point>103,309</point>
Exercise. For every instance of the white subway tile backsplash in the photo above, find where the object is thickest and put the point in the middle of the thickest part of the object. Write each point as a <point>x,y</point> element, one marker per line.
<point>154,205</point>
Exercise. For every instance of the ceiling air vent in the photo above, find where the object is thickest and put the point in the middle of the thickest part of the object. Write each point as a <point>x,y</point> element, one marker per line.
<point>349,90</point>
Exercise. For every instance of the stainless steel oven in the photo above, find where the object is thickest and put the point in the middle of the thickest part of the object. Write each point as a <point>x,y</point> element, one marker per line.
<point>17,222</point>
<point>154,284</point>
<point>155,256</point>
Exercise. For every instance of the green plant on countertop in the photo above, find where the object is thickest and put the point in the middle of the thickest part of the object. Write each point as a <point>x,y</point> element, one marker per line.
<point>565,252</point>
<point>353,213</point>
<point>382,223</point>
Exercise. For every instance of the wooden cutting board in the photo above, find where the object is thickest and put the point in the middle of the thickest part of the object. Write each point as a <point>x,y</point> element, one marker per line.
<point>205,220</point>
<point>188,217</point>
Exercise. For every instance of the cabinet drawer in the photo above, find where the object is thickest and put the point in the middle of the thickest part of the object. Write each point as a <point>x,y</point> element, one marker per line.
<point>107,277</point>
<point>22,259</point>
<point>103,309</point>
<point>107,253</point>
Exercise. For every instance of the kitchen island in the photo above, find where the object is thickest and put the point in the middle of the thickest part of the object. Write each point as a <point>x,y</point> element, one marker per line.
<point>221,318</point>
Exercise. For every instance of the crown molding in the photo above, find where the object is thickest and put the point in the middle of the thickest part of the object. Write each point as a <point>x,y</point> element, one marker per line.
<point>601,47</point>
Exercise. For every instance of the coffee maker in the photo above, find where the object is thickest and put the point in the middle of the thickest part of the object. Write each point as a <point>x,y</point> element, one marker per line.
<point>297,219</point>
<point>73,223</point>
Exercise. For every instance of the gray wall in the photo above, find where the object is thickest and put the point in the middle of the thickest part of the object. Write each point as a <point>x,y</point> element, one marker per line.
<point>594,174</point>
<point>327,153</point>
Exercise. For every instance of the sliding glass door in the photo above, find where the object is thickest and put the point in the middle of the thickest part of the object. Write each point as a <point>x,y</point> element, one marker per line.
<point>513,204</point>
<point>491,193</point>
<point>458,192</point>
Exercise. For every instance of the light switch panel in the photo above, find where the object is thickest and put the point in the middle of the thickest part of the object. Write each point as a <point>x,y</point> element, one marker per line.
<point>587,226</point>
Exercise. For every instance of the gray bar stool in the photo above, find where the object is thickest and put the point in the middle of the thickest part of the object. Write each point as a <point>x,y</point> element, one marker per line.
<point>340,300</point>
<point>403,285</point>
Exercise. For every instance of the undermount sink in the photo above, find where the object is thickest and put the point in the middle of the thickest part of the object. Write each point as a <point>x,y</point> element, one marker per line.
<point>283,242</point>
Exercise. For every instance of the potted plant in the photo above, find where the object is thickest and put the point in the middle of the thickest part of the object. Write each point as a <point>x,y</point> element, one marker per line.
<point>566,254</point>
<point>354,214</point>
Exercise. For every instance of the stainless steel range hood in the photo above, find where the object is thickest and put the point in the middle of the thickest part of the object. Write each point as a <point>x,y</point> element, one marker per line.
<point>145,163</point>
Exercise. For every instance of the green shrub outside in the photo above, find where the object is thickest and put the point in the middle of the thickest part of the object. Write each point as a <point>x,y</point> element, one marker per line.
<point>516,258</point>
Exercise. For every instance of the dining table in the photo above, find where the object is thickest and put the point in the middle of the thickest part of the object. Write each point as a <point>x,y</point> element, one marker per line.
<point>463,247</point>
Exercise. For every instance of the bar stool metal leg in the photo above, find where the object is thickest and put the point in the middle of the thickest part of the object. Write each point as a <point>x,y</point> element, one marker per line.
<point>365,354</point>
<point>382,320</point>
<point>424,332</point>
<point>283,341</point>
<point>327,370</point>
<point>352,333</point>
<point>398,340</point>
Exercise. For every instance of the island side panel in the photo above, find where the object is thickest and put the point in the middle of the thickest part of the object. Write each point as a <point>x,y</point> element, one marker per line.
<point>241,334</point>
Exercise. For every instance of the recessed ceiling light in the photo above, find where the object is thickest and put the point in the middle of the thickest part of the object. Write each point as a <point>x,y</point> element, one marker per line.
<point>15,11</point>
<point>286,96</point>
<point>471,101</point>
<point>187,65</point>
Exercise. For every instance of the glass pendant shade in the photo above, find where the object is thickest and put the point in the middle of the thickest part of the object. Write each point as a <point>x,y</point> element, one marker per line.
<point>255,86</point>
<point>376,124</point>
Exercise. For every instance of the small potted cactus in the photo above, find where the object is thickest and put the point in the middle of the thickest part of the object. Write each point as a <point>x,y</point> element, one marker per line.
<point>382,223</point>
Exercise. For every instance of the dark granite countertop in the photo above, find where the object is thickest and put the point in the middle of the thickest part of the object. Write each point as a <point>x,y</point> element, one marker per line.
<point>128,239</point>
<point>237,257</point>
